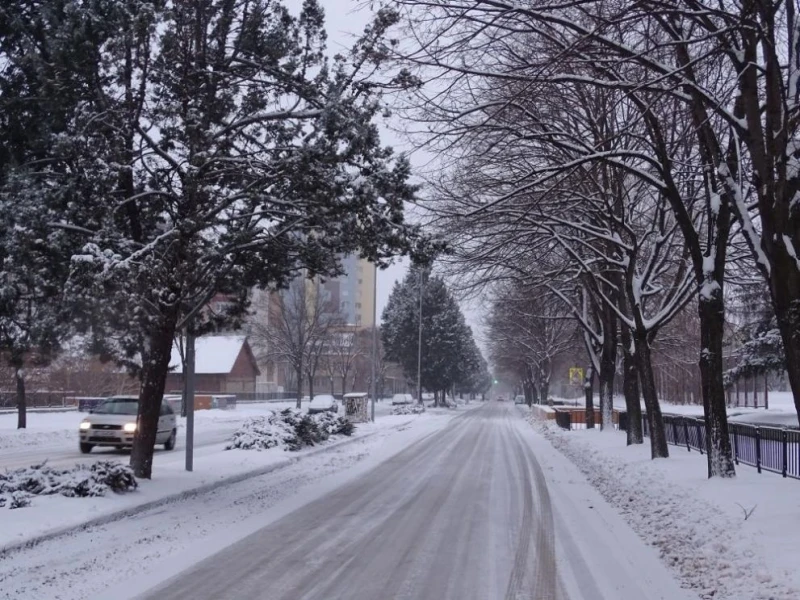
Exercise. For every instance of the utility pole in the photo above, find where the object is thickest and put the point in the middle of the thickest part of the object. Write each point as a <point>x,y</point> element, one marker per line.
<point>188,393</point>
<point>374,340</point>
<point>419,342</point>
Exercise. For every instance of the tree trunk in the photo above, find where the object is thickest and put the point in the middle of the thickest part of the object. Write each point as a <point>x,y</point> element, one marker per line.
<point>608,368</point>
<point>310,387</point>
<point>298,375</point>
<point>785,288</point>
<point>766,391</point>
<point>608,371</point>
<point>22,407</point>
<point>526,390</point>
<point>755,391</point>
<point>154,377</point>
<point>655,422</point>
<point>630,387</point>
<point>718,444</point>
<point>746,394</point>
<point>544,391</point>
<point>588,390</point>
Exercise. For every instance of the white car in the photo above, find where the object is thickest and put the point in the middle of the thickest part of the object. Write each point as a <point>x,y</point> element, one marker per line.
<point>323,403</point>
<point>402,399</point>
<point>113,423</point>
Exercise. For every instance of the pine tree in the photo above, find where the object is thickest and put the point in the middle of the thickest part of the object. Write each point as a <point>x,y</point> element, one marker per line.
<point>448,349</point>
<point>215,148</point>
<point>37,105</point>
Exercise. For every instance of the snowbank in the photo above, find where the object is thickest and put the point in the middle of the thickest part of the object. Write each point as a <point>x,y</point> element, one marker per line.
<point>698,525</point>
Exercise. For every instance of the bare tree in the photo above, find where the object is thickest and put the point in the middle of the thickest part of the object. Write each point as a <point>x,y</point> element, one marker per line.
<point>344,350</point>
<point>297,323</point>
<point>527,333</point>
<point>505,62</point>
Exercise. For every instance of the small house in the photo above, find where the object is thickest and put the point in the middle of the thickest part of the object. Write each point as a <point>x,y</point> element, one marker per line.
<point>224,364</point>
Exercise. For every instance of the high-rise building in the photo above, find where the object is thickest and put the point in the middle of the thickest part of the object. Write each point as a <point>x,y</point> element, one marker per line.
<point>353,292</point>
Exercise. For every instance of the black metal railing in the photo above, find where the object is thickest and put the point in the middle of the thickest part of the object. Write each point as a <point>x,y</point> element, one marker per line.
<point>765,448</point>
<point>36,399</point>
<point>564,419</point>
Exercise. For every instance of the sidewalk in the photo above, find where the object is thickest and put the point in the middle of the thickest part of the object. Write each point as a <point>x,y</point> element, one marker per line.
<point>698,525</point>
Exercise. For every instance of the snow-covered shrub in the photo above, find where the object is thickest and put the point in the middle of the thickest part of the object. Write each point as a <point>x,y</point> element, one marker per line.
<point>261,433</point>
<point>333,425</point>
<point>409,409</point>
<point>80,481</point>
<point>289,428</point>
<point>19,500</point>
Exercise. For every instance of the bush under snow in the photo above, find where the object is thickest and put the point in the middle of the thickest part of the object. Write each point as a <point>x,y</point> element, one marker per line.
<point>408,409</point>
<point>81,481</point>
<point>289,428</point>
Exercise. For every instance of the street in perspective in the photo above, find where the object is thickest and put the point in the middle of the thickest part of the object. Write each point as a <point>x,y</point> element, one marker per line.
<point>416,300</point>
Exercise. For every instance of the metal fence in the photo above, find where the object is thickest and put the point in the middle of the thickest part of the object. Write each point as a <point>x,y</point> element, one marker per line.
<point>765,448</point>
<point>246,397</point>
<point>8,399</point>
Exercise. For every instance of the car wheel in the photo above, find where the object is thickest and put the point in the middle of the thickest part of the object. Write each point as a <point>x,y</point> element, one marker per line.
<point>86,448</point>
<point>170,443</point>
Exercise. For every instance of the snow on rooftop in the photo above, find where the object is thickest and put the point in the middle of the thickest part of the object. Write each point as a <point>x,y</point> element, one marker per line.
<point>214,354</point>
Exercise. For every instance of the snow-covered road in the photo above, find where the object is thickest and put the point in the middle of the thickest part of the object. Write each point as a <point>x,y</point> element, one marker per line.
<point>66,454</point>
<point>464,514</point>
<point>476,507</point>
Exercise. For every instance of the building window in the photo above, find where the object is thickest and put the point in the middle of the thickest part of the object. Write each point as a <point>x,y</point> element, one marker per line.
<point>358,305</point>
<point>360,282</point>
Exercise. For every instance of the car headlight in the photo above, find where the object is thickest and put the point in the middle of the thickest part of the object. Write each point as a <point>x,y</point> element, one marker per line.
<point>129,427</point>
<point>85,425</point>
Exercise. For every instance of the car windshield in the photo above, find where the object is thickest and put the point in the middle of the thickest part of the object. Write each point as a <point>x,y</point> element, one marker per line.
<point>118,406</point>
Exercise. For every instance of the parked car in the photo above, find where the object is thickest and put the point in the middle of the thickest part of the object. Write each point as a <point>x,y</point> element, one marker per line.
<point>402,399</point>
<point>519,399</point>
<point>323,403</point>
<point>113,423</point>
<point>501,399</point>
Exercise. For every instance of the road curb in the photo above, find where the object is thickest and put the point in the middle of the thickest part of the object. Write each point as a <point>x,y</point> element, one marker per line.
<point>179,496</point>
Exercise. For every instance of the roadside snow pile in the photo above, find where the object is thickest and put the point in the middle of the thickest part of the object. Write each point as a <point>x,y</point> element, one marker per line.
<point>82,481</point>
<point>290,428</point>
<point>714,553</point>
<point>408,409</point>
<point>27,439</point>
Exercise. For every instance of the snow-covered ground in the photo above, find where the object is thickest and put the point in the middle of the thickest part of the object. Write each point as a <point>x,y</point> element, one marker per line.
<point>697,525</point>
<point>212,464</point>
<point>781,412</point>
<point>133,553</point>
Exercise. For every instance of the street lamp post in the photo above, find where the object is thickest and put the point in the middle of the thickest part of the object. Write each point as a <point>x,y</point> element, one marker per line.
<point>189,395</point>
<point>419,343</point>
<point>374,341</point>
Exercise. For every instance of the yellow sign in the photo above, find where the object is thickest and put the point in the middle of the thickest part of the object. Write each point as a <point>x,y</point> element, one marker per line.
<point>575,375</point>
